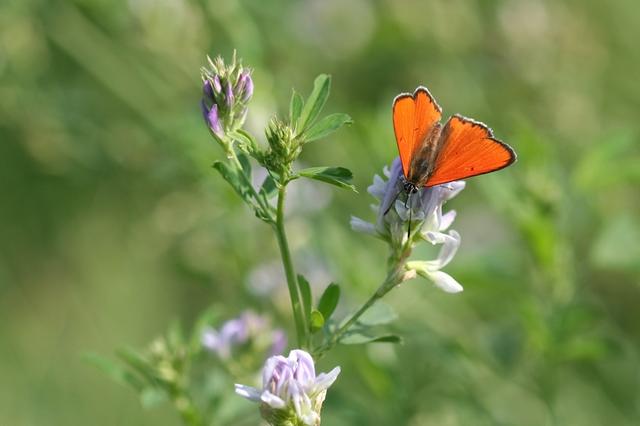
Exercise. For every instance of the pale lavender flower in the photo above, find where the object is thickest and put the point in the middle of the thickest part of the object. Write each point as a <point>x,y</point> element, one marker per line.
<point>424,209</point>
<point>291,393</point>
<point>247,328</point>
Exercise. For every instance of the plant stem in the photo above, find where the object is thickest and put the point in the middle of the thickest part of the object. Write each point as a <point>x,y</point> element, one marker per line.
<point>394,277</point>
<point>231,154</point>
<point>292,281</point>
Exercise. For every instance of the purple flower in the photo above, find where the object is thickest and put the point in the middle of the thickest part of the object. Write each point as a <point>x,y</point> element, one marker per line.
<point>233,333</point>
<point>291,392</point>
<point>243,330</point>
<point>227,89</point>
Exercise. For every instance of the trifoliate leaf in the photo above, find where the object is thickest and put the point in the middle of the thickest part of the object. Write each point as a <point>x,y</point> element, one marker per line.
<point>338,176</point>
<point>315,102</point>
<point>326,126</point>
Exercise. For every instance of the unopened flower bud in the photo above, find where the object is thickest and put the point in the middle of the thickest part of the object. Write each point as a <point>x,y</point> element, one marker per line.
<point>227,90</point>
<point>228,96</point>
<point>217,87</point>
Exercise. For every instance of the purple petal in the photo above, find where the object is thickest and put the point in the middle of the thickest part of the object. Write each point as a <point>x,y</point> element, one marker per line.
<point>229,95</point>
<point>248,88</point>
<point>207,89</point>
<point>248,392</point>
<point>391,190</point>
<point>213,121</point>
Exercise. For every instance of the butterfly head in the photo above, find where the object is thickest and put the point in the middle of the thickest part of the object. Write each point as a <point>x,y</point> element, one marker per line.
<point>409,187</point>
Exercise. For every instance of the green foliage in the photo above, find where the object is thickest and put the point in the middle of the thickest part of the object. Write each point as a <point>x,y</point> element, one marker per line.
<point>326,126</point>
<point>305,292</point>
<point>329,300</point>
<point>338,176</point>
<point>295,109</point>
<point>314,104</point>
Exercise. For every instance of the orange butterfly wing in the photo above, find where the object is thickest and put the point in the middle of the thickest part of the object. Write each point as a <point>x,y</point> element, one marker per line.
<point>468,149</point>
<point>413,117</point>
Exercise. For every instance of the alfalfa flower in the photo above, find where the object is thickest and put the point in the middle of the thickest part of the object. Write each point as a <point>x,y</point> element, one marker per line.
<point>248,329</point>
<point>424,210</point>
<point>226,91</point>
<point>291,394</point>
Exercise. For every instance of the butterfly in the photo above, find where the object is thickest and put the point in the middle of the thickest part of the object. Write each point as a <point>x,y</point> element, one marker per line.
<point>432,153</point>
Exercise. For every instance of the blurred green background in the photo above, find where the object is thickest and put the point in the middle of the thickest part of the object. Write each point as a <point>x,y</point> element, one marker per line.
<point>113,223</point>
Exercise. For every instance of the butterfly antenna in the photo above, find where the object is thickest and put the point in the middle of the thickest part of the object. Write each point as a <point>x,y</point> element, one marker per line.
<point>391,204</point>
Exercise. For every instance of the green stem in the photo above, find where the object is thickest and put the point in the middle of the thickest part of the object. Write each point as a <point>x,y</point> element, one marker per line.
<point>393,278</point>
<point>231,154</point>
<point>397,260</point>
<point>292,281</point>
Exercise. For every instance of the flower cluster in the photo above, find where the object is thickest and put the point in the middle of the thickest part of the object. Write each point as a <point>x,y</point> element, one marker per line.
<point>248,328</point>
<point>424,210</point>
<point>227,90</point>
<point>291,392</point>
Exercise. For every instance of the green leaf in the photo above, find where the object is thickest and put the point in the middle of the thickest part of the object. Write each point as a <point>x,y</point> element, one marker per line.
<point>305,292</point>
<point>316,321</point>
<point>269,189</point>
<point>358,338</point>
<point>338,176</point>
<point>295,108</point>
<point>153,396</point>
<point>380,313</point>
<point>115,371</point>
<point>233,178</point>
<point>315,102</point>
<point>329,300</point>
<point>326,126</point>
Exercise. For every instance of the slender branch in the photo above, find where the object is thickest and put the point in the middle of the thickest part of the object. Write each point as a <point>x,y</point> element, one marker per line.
<point>231,154</point>
<point>397,261</point>
<point>292,281</point>
<point>390,282</point>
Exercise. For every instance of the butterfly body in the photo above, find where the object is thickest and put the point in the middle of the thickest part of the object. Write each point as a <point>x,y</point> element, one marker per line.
<point>432,153</point>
